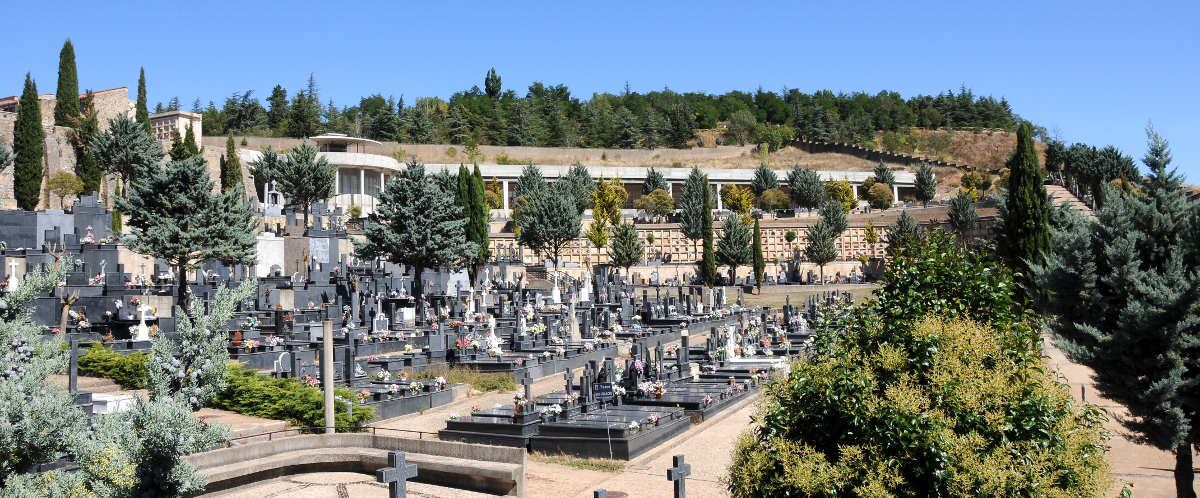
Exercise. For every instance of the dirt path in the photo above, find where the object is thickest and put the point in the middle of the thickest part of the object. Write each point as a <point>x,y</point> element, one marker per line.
<point>1148,468</point>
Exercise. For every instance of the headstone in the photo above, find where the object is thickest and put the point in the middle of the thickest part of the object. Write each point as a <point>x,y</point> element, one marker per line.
<point>397,474</point>
<point>678,473</point>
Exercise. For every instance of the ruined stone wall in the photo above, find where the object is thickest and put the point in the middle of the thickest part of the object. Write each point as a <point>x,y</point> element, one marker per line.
<point>59,156</point>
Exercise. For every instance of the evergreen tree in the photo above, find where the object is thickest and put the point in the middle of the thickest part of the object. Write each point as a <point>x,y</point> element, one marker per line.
<point>962,215</point>
<point>417,223</point>
<point>764,180</point>
<point>305,113</point>
<point>694,202</point>
<point>903,234</point>
<point>879,196</point>
<point>607,200</point>
<point>479,217</point>
<point>264,169</point>
<point>142,115</point>
<point>175,215</point>
<point>189,143</point>
<point>66,97</point>
<point>491,84</point>
<point>708,258</point>
<point>531,183</point>
<point>805,187</point>
<point>1122,294</point>
<point>40,420</point>
<point>305,177</point>
<point>654,181</point>
<point>549,224</point>
<point>6,157</point>
<point>29,146</point>
<point>821,248</point>
<point>86,128</point>
<point>277,113</point>
<point>126,149</point>
<point>597,235</point>
<point>926,185</point>
<point>734,248</point>
<point>627,131</point>
<point>178,151</point>
<point>578,184</point>
<point>231,167</point>
<point>760,264</point>
<point>626,249</point>
<point>842,192</point>
<point>1026,237</point>
<point>884,175</point>
<point>833,217</point>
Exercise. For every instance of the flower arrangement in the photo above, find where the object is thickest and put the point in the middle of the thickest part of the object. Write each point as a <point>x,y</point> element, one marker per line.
<point>382,376</point>
<point>519,403</point>
<point>455,323</point>
<point>393,389</point>
<point>97,279</point>
<point>658,389</point>
<point>518,361</point>
<point>474,409</point>
<point>557,341</point>
<point>618,391</point>
<point>474,343</point>
<point>708,400</point>
<point>560,351</point>
<point>537,329</point>
<point>439,382</point>
<point>408,348</point>
<point>554,409</point>
<point>547,354</point>
<point>572,398</point>
<point>363,394</point>
<point>55,331</point>
<point>652,419</point>
<point>134,300</point>
<point>415,387</point>
<point>274,341</point>
<point>639,365</point>
<point>494,351</point>
<point>310,381</point>
<point>634,427</point>
<point>250,344</point>
<point>452,417</point>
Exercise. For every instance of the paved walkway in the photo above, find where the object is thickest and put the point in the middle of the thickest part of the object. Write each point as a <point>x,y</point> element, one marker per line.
<point>336,484</point>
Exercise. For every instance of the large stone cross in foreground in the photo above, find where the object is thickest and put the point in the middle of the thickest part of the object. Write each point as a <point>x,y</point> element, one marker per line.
<point>396,474</point>
<point>678,473</point>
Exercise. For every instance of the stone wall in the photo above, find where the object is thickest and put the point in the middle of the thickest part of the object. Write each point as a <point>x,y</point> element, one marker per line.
<point>59,156</point>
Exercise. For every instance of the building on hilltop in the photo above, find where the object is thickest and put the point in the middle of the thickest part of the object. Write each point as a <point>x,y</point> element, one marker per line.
<point>109,104</point>
<point>164,125</point>
<point>361,175</point>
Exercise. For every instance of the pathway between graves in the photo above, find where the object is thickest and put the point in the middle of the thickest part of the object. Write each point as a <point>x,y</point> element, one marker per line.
<point>1148,468</point>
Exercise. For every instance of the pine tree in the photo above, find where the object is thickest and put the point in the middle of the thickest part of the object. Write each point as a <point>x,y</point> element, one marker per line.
<point>305,177</point>
<point>654,181</point>
<point>708,257</point>
<point>962,215</point>
<point>1122,294</point>
<point>175,215</point>
<point>1026,237</point>
<point>904,233</point>
<point>627,133</point>
<point>178,151</point>
<point>760,264</point>
<point>834,218</point>
<point>821,248</point>
<point>884,175</point>
<point>29,146</point>
<point>142,115</point>
<point>597,235</point>
<point>479,215</point>
<point>277,113</point>
<point>805,187</point>
<point>734,248</point>
<point>231,167</point>
<point>764,180</point>
<point>549,224</point>
<point>86,128</point>
<point>265,169</point>
<point>66,97</point>
<point>578,184</point>
<point>626,249</point>
<point>926,185</point>
<point>416,223</point>
<point>531,182</point>
<point>189,143</point>
<point>126,149</point>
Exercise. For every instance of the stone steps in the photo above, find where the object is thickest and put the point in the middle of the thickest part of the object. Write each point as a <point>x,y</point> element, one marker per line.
<point>1060,195</point>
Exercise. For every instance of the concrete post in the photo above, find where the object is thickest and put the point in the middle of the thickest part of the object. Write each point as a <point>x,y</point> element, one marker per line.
<point>504,194</point>
<point>327,374</point>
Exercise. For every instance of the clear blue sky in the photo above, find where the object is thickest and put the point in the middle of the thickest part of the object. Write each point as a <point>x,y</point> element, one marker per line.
<point>1090,71</point>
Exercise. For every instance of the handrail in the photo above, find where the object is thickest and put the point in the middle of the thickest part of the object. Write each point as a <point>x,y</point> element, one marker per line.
<point>319,429</point>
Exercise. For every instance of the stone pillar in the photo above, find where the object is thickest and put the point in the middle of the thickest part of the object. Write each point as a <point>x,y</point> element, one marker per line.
<point>720,205</point>
<point>504,195</point>
<point>896,193</point>
<point>854,189</point>
<point>362,182</point>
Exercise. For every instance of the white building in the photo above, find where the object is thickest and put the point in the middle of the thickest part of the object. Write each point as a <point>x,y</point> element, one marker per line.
<point>164,125</point>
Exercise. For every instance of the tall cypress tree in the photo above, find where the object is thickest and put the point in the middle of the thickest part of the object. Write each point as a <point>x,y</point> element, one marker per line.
<point>760,264</point>
<point>693,203</point>
<point>142,115</point>
<point>479,215</point>
<point>735,247</point>
<point>231,166</point>
<point>654,181</point>
<point>1026,237</point>
<point>626,248</point>
<point>805,188</point>
<point>189,143</point>
<point>29,146</point>
<point>66,106</point>
<point>87,127</point>
<point>708,258</point>
<point>926,185</point>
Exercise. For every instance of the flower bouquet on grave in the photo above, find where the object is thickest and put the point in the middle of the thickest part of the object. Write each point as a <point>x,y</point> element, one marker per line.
<point>652,419</point>
<point>557,341</point>
<point>640,366</point>
<point>274,341</point>
<point>415,388</point>
<point>455,323</point>
<point>382,376</point>
<point>643,388</point>
<point>708,400</point>
<point>251,345</point>
<point>393,390</point>
<point>439,383</point>
<point>547,354</point>
<point>474,409</point>
<point>97,279</point>
<point>518,361</point>
<point>494,351</point>
<point>589,346</point>
<point>560,351</point>
<point>310,381</point>
<point>634,427</point>
<point>618,392</point>
<point>537,329</point>
<point>452,417</point>
<point>408,348</point>
<point>519,403</point>
<point>572,398</point>
<point>363,394</point>
<point>658,389</point>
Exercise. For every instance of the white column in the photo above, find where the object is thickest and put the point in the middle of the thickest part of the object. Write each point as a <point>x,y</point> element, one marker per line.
<point>720,205</point>
<point>337,182</point>
<point>896,193</point>
<point>362,181</point>
<point>854,190</point>
<point>504,195</point>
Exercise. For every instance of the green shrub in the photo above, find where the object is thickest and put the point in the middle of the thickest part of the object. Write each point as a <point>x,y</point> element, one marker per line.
<point>479,381</point>
<point>257,395</point>
<point>128,370</point>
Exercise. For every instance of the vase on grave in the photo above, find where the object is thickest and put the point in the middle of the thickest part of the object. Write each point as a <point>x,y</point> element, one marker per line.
<point>236,341</point>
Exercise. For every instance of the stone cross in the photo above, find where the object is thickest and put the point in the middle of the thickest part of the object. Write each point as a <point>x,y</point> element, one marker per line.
<point>398,472</point>
<point>567,375</point>
<point>527,382</point>
<point>678,474</point>
<point>600,493</point>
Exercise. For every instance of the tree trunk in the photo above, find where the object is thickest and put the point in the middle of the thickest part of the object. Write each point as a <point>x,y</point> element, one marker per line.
<point>1183,472</point>
<point>181,298</point>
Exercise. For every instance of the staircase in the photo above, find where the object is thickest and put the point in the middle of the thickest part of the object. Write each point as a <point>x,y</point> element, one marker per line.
<point>1059,195</point>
